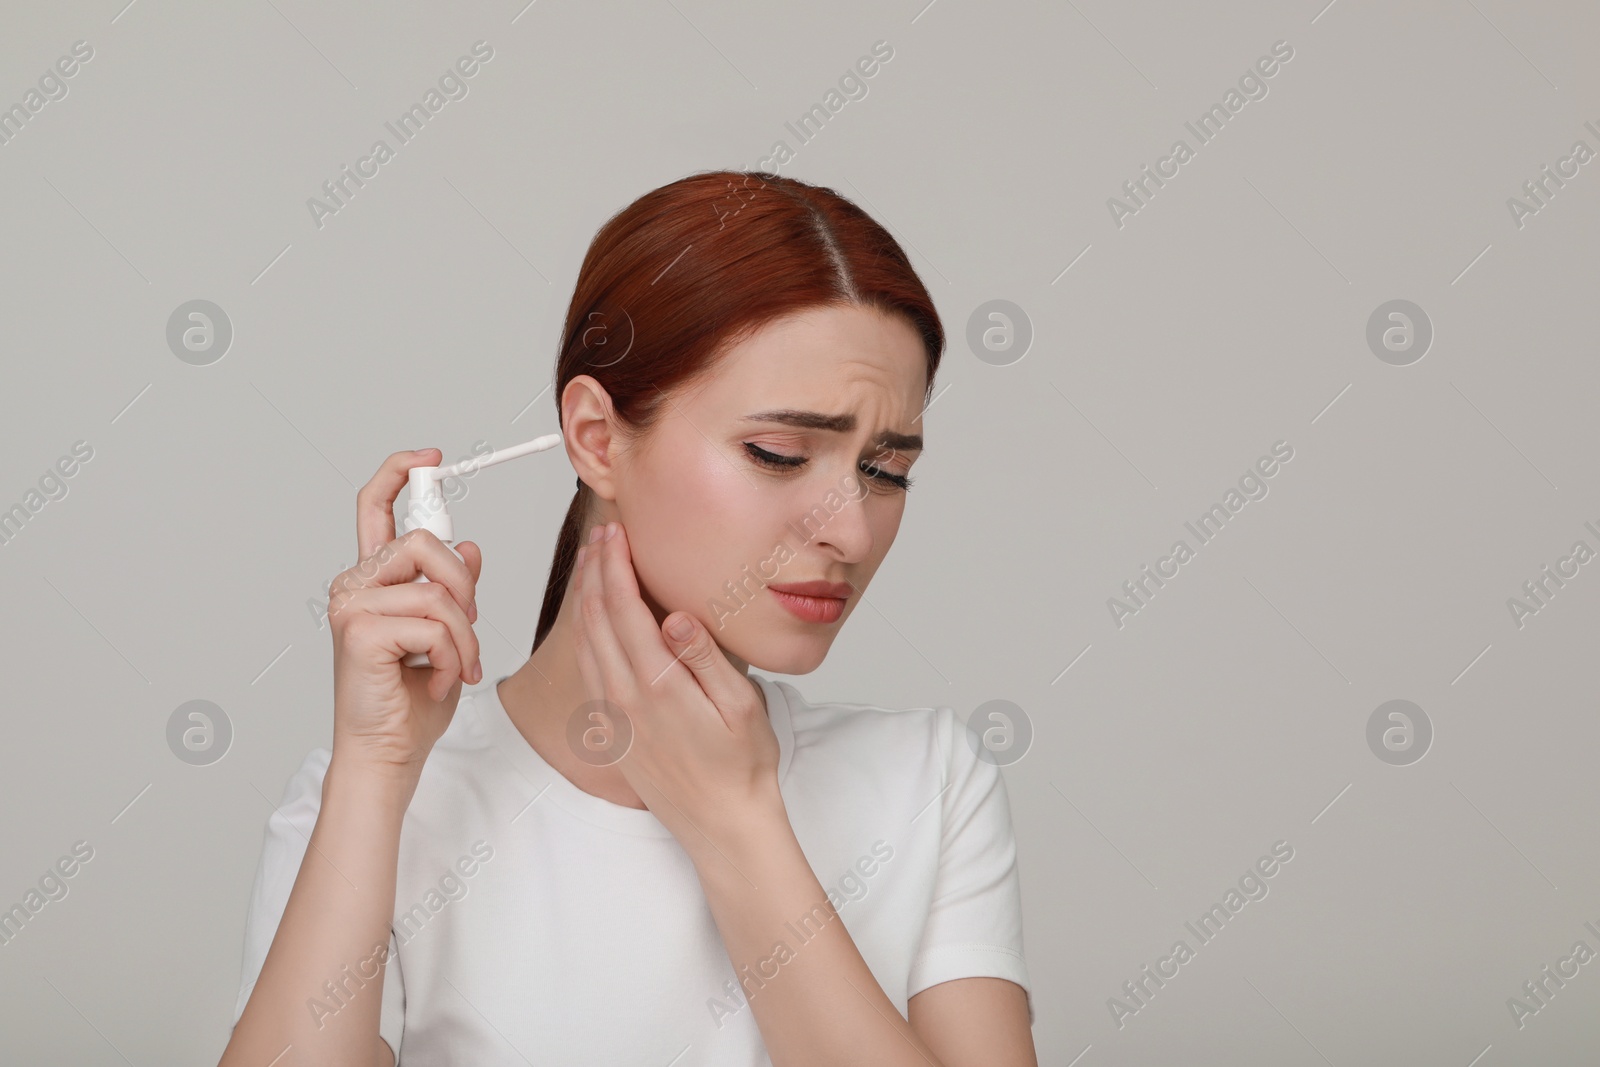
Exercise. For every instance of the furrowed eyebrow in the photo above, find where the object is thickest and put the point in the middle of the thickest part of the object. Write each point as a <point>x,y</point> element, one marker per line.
<point>815,420</point>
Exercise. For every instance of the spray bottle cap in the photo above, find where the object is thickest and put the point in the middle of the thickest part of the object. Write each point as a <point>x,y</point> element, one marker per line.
<point>429,510</point>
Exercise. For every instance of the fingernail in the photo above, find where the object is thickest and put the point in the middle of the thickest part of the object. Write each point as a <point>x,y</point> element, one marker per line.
<point>595,534</point>
<point>581,551</point>
<point>611,530</point>
<point>680,628</point>
<point>472,611</point>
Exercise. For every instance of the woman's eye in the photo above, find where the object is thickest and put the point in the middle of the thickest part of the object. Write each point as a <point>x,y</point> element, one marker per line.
<point>775,460</point>
<point>898,481</point>
<point>772,459</point>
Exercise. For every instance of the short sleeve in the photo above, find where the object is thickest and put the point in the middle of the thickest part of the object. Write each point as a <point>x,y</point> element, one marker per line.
<point>974,926</point>
<point>287,835</point>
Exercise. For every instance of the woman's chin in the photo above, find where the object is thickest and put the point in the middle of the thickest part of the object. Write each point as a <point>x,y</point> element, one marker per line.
<point>777,644</point>
<point>787,655</point>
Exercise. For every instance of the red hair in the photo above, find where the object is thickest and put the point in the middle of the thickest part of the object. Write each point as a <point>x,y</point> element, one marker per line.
<point>686,271</point>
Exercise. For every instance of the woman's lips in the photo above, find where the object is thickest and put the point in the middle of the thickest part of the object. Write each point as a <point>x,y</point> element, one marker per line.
<point>819,609</point>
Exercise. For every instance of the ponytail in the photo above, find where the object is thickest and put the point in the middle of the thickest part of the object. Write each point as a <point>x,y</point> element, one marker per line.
<point>567,543</point>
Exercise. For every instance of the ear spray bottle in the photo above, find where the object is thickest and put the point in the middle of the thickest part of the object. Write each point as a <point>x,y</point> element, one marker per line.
<point>428,509</point>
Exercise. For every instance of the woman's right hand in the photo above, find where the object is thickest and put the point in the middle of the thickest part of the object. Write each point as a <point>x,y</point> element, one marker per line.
<point>387,716</point>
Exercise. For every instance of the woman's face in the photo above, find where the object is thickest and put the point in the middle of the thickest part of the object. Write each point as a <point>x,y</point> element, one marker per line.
<point>716,526</point>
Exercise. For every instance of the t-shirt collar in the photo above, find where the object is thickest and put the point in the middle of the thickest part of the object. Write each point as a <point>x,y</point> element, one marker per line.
<point>549,786</point>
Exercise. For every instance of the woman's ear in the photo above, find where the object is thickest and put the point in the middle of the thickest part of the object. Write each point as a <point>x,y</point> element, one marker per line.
<point>589,431</point>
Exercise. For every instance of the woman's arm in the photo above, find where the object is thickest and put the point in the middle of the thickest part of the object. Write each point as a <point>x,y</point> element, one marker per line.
<point>337,918</point>
<point>818,1001</point>
<point>975,1020</point>
<point>313,1001</point>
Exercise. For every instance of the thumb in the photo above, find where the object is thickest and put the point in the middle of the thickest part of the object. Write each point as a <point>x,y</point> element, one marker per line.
<point>694,647</point>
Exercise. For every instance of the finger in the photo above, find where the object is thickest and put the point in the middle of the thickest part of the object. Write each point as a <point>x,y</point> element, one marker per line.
<point>588,666</point>
<point>401,636</point>
<point>631,619</point>
<point>420,552</point>
<point>727,688</point>
<point>473,556</point>
<point>594,607</point>
<point>445,666</point>
<point>375,500</point>
<point>399,561</point>
<point>424,600</point>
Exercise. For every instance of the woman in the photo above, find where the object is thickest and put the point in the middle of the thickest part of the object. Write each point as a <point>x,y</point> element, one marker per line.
<point>632,851</point>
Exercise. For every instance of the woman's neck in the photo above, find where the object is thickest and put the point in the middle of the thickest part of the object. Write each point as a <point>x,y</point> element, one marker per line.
<point>542,695</point>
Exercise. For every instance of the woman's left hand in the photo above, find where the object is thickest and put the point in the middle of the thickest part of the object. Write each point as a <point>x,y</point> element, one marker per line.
<point>702,754</point>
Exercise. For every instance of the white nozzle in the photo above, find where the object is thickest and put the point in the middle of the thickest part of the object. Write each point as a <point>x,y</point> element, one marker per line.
<point>428,509</point>
<point>467,466</point>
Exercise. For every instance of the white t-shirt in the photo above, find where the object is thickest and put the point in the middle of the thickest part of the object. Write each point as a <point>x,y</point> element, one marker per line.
<point>538,924</point>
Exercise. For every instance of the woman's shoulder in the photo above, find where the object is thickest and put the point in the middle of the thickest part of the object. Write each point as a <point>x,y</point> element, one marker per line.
<point>932,734</point>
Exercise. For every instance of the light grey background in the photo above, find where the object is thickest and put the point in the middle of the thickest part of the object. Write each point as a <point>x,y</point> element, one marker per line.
<point>1228,314</point>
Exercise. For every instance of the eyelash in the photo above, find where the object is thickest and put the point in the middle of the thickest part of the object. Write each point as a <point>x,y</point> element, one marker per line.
<point>774,461</point>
